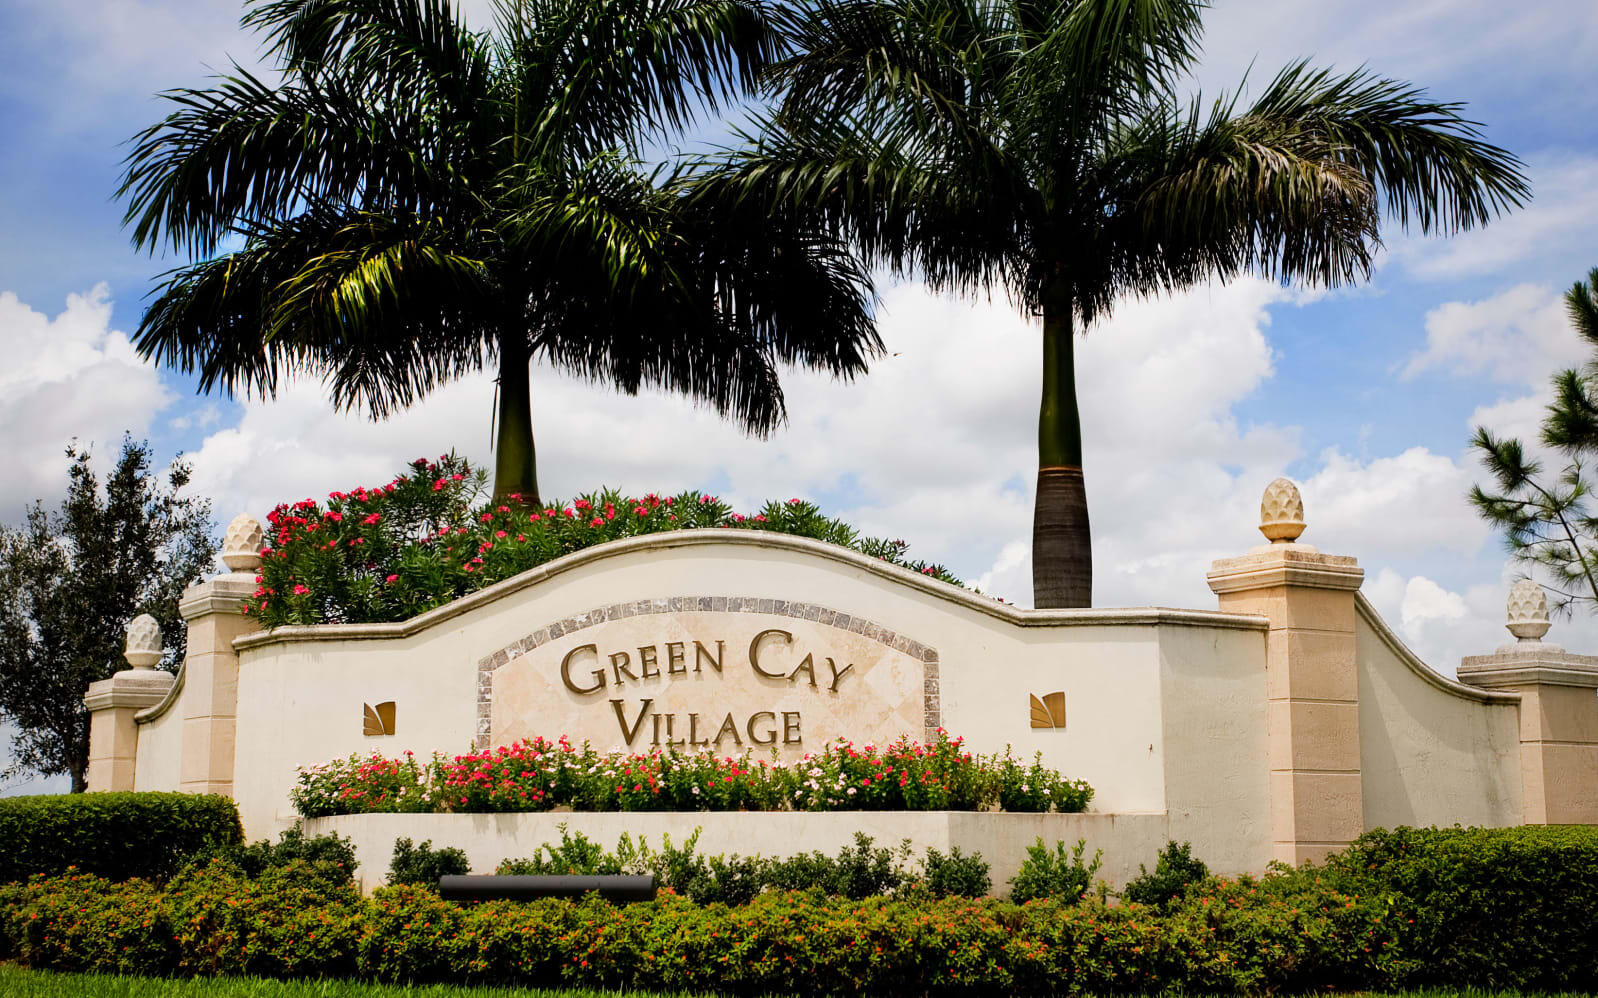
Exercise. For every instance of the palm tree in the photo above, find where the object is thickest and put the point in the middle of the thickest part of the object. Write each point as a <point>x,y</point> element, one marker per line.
<point>415,200</point>
<point>1043,147</point>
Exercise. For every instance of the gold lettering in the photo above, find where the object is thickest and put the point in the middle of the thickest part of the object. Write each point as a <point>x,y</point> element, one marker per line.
<point>790,727</point>
<point>755,739</point>
<point>728,727</point>
<point>836,675</point>
<point>618,665</point>
<point>808,666</point>
<point>621,718</point>
<point>566,674</point>
<point>754,651</point>
<point>676,662</point>
<point>648,662</point>
<point>693,733</point>
<point>702,654</point>
<point>657,730</point>
<point>670,742</point>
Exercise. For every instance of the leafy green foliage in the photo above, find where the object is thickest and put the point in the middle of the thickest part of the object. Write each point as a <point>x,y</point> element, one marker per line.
<point>113,835</point>
<point>330,854</point>
<point>1549,521</point>
<point>539,774</point>
<point>427,537</point>
<point>422,865</point>
<point>417,200</point>
<point>70,581</point>
<point>1502,907</point>
<point>857,871</point>
<point>1054,873</point>
<point>956,874</point>
<point>1174,871</point>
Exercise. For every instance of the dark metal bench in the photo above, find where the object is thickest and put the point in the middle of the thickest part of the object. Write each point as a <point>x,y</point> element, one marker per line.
<point>619,887</point>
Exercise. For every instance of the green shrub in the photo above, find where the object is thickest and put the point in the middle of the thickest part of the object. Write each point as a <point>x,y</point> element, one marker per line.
<point>1174,870</point>
<point>80,921</point>
<point>112,835</point>
<point>858,871</point>
<point>1501,908</point>
<point>1054,874</point>
<point>329,855</point>
<point>955,875</point>
<point>290,921</point>
<point>422,865</point>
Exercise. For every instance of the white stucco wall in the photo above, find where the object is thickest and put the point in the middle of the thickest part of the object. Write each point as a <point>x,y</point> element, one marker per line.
<point>159,759</point>
<point>1432,751</point>
<point>301,690</point>
<point>1217,773</point>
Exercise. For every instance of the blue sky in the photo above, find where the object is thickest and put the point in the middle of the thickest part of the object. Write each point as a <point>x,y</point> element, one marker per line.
<point>1191,404</point>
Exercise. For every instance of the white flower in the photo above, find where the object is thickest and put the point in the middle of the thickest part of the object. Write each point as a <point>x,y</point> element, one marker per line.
<point>1025,788</point>
<point>851,791</point>
<point>695,791</point>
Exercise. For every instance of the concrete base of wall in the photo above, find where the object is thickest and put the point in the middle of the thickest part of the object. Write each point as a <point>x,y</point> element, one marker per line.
<point>1001,838</point>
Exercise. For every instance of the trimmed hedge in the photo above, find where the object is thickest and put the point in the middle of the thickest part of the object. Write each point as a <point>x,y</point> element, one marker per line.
<point>1399,908</point>
<point>113,835</point>
<point>1499,907</point>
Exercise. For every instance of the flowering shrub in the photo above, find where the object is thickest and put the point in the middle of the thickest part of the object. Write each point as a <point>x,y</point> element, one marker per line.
<point>540,774</point>
<point>430,536</point>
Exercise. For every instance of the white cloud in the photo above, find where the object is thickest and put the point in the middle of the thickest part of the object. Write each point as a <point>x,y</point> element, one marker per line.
<point>1520,336</point>
<point>1555,226</point>
<point>1401,506</point>
<point>70,376</point>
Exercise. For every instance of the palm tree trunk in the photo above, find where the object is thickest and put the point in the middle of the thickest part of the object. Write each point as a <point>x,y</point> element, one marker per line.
<point>515,462</point>
<point>1062,545</point>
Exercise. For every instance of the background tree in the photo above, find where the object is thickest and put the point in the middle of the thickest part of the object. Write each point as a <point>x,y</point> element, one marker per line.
<point>69,583</point>
<point>416,200</point>
<point>1548,520</point>
<point>1044,147</point>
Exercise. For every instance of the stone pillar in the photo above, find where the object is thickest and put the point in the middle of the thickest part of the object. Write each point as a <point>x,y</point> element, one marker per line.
<point>1311,681</point>
<point>1558,712</point>
<point>214,612</point>
<point>113,737</point>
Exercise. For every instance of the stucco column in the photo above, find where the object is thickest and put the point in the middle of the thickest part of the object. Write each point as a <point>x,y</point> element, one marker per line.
<point>214,613</point>
<point>1558,713</point>
<point>113,736</point>
<point>1311,683</point>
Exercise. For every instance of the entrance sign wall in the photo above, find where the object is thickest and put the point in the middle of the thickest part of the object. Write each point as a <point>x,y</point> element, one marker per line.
<point>1278,727</point>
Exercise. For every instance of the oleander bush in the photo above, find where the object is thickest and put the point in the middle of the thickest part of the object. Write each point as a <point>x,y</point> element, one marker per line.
<point>427,537</point>
<point>422,865</point>
<point>540,774</point>
<point>113,835</point>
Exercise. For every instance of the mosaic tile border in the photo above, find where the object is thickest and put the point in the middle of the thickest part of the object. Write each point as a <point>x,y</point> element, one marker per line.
<point>925,654</point>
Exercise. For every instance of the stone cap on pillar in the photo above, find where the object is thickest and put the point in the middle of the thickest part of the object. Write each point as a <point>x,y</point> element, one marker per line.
<point>141,686</point>
<point>1529,661</point>
<point>1284,561</point>
<point>228,592</point>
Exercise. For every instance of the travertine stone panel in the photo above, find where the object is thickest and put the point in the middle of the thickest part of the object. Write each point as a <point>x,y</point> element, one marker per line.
<point>727,673</point>
<point>1311,681</point>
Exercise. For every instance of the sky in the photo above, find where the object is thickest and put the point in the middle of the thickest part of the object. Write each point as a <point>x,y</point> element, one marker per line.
<point>1191,404</point>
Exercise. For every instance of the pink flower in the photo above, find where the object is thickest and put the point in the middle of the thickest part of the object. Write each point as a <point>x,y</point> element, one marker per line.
<point>598,521</point>
<point>438,486</point>
<point>335,517</point>
<point>486,518</point>
<point>372,519</point>
<point>300,590</point>
<point>501,534</point>
<point>392,579</point>
<point>532,517</point>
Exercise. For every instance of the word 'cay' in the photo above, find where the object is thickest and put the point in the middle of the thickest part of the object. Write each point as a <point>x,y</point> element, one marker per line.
<point>648,664</point>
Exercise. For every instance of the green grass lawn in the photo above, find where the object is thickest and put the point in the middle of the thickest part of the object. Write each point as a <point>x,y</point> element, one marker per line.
<point>16,982</point>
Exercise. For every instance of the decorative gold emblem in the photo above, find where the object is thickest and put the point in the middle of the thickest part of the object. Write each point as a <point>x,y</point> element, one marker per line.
<point>1050,711</point>
<point>380,719</point>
